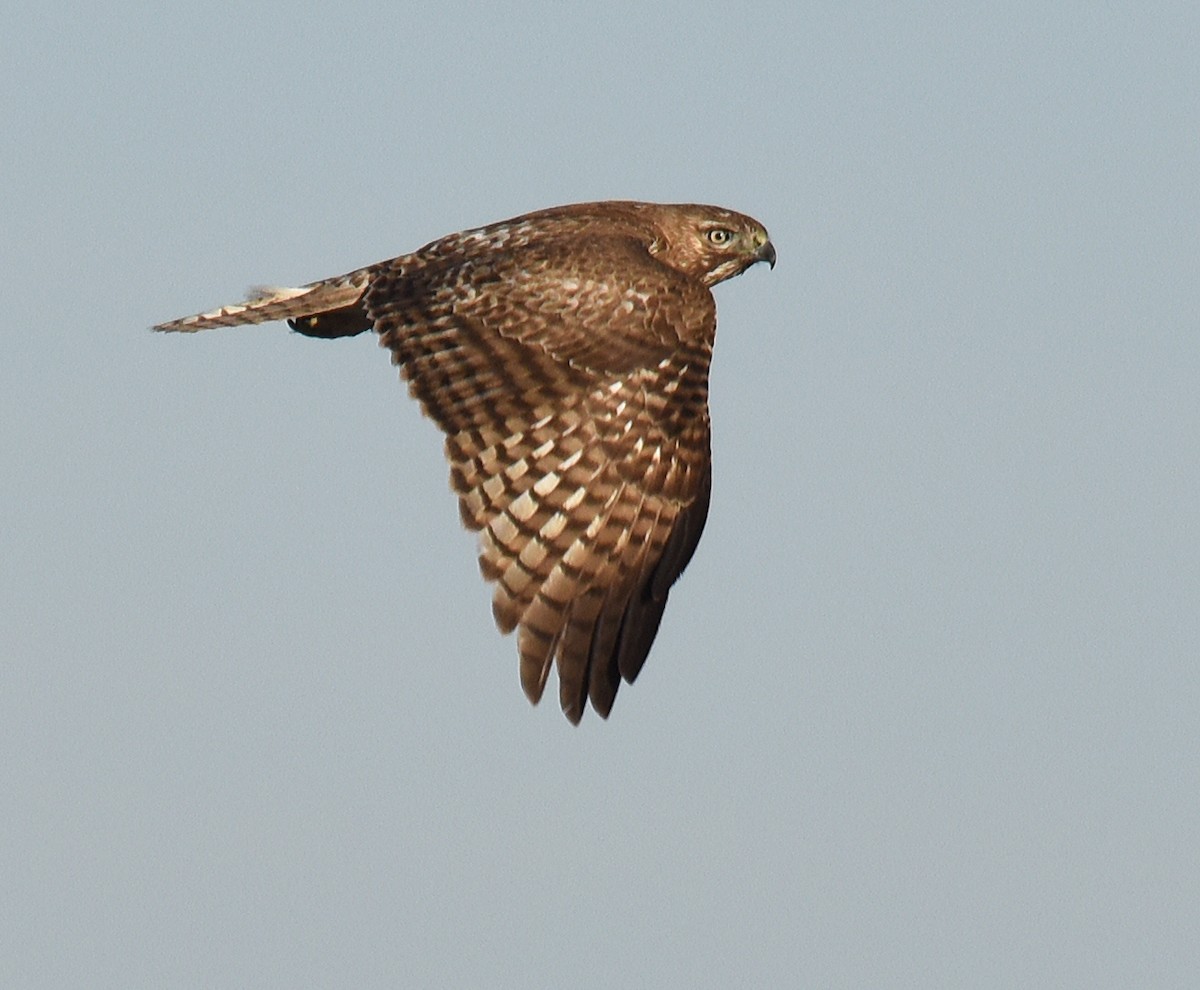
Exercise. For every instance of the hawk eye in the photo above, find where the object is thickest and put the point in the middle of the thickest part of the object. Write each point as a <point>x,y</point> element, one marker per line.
<point>720,236</point>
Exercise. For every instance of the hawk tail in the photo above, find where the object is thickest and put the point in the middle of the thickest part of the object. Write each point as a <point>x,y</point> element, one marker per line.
<point>329,308</point>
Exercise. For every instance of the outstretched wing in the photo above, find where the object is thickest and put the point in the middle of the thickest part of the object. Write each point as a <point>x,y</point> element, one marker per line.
<point>572,388</point>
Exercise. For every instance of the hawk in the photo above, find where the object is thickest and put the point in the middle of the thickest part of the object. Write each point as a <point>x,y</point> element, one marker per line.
<point>565,356</point>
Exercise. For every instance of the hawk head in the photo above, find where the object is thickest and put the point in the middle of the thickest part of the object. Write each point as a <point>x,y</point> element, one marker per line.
<point>710,243</point>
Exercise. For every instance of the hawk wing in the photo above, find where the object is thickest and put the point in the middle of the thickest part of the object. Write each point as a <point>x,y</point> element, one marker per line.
<point>572,388</point>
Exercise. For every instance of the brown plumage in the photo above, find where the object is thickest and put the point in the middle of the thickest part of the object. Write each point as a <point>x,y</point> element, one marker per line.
<point>565,355</point>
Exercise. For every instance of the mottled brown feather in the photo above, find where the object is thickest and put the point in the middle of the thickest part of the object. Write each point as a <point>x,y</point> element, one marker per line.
<point>565,356</point>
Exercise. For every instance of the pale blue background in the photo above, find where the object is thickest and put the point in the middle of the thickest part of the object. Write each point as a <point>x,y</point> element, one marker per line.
<point>923,712</point>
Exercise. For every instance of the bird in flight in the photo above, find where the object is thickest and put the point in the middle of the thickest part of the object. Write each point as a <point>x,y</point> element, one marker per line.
<point>565,356</point>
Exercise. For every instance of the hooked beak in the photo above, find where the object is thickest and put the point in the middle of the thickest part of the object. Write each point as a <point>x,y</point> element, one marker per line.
<point>766,253</point>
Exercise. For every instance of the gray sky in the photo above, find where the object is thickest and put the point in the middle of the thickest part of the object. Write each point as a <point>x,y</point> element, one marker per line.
<point>922,712</point>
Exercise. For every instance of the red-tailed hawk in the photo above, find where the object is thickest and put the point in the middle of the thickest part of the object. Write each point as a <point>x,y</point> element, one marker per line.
<point>565,355</point>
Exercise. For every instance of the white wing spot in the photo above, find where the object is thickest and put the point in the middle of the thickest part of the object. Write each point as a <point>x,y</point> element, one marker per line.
<point>546,484</point>
<point>553,527</point>
<point>523,507</point>
<point>576,554</point>
<point>504,530</point>
<point>494,487</point>
<point>532,555</point>
<point>517,579</point>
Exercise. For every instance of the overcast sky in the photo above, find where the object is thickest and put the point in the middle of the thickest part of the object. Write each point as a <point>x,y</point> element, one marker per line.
<point>924,709</point>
